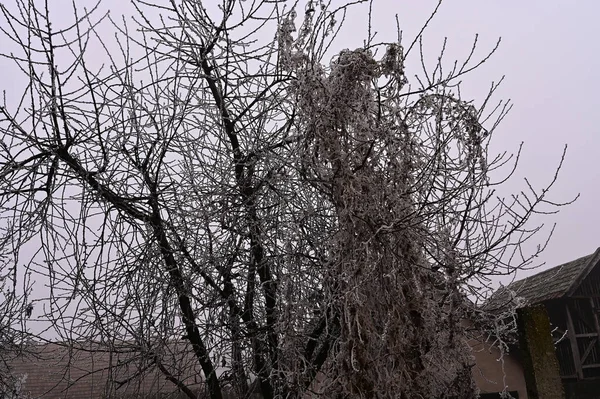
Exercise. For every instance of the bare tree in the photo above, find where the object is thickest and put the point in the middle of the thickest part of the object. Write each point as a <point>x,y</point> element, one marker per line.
<point>291,226</point>
<point>14,310</point>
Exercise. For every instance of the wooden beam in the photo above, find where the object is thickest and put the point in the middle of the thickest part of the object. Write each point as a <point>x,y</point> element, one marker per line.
<point>564,377</point>
<point>573,339</point>
<point>587,335</point>
<point>587,351</point>
<point>582,318</point>
<point>596,322</point>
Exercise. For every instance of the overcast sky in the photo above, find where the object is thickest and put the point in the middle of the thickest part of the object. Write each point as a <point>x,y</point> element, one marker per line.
<point>549,54</point>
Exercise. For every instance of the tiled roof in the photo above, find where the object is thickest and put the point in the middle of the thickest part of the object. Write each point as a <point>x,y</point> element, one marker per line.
<point>55,371</point>
<point>549,284</point>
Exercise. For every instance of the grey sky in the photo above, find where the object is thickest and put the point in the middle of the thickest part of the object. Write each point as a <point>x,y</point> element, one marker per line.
<point>549,56</point>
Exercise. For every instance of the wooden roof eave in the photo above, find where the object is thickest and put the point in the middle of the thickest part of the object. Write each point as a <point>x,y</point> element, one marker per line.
<point>591,264</point>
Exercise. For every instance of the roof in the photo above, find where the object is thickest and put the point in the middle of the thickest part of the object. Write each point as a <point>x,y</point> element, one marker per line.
<point>55,371</point>
<point>553,283</point>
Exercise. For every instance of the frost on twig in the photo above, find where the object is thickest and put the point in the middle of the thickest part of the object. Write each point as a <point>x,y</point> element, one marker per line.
<point>400,329</point>
<point>299,224</point>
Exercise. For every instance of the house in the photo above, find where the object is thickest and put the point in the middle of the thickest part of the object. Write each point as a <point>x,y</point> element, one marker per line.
<point>571,294</point>
<point>60,371</point>
<point>495,372</point>
<point>57,371</point>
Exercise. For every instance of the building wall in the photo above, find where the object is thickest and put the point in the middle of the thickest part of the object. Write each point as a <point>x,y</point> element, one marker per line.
<point>49,377</point>
<point>493,373</point>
